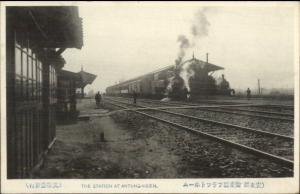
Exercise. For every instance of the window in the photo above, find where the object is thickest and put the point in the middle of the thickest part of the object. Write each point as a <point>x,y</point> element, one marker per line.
<point>18,62</point>
<point>18,72</point>
<point>39,81</point>
<point>29,77</point>
<point>34,68</point>
<point>52,84</point>
<point>34,79</point>
<point>28,71</point>
<point>24,75</point>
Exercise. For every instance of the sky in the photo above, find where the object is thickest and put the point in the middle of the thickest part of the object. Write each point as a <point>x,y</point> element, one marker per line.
<point>127,39</point>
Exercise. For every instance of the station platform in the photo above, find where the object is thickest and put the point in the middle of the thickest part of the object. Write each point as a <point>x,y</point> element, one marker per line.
<point>80,152</point>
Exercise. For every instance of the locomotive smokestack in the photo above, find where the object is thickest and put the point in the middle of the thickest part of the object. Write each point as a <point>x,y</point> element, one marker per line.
<point>206,57</point>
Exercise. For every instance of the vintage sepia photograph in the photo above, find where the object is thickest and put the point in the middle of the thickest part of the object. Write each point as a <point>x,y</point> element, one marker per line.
<point>122,96</point>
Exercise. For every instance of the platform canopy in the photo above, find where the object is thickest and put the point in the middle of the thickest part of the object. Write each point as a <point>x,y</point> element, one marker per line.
<point>86,78</point>
<point>203,65</point>
<point>50,26</point>
<point>69,75</point>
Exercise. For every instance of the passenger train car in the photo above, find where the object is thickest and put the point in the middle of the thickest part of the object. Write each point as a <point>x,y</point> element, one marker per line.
<point>149,85</point>
<point>155,84</point>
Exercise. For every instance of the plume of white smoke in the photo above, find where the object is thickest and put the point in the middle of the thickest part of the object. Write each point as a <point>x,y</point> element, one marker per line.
<point>184,44</point>
<point>199,29</point>
<point>169,87</point>
<point>186,74</point>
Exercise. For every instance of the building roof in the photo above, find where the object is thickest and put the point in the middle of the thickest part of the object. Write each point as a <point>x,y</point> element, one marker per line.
<point>170,67</point>
<point>202,64</point>
<point>86,78</point>
<point>49,26</point>
<point>208,66</point>
<point>82,78</point>
<point>69,75</point>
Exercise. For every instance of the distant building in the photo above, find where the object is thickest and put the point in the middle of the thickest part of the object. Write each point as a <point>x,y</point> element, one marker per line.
<point>67,82</point>
<point>201,82</point>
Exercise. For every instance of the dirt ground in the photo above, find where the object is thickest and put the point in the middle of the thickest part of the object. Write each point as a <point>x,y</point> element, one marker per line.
<point>80,153</point>
<point>137,147</point>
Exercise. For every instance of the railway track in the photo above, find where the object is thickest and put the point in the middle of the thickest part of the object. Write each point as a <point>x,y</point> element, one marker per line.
<point>261,111</point>
<point>279,126</point>
<point>276,147</point>
<point>162,109</point>
<point>231,110</point>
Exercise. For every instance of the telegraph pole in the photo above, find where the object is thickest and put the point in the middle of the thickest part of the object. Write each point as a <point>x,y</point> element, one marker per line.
<point>258,83</point>
<point>207,57</point>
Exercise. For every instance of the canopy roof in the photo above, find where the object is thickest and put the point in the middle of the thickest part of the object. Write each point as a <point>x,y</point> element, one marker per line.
<point>203,65</point>
<point>208,66</point>
<point>49,26</point>
<point>69,75</point>
<point>86,78</point>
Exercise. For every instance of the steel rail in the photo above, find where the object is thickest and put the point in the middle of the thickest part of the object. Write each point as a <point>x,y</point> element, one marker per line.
<point>225,107</point>
<point>234,104</point>
<point>229,109</point>
<point>254,151</point>
<point>280,106</point>
<point>195,106</point>
<point>260,111</point>
<point>246,114</point>
<point>214,122</point>
<point>246,104</point>
<point>192,104</point>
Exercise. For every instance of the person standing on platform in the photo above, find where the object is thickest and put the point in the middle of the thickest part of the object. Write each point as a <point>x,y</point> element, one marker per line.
<point>232,92</point>
<point>134,95</point>
<point>248,94</point>
<point>98,98</point>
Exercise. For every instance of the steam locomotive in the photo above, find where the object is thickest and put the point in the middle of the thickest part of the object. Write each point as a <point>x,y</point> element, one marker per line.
<point>170,82</point>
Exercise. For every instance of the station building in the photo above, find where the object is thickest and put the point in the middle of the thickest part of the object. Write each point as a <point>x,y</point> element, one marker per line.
<point>35,39</point>
<point>67,84</point>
